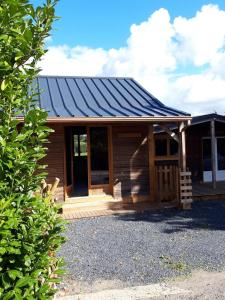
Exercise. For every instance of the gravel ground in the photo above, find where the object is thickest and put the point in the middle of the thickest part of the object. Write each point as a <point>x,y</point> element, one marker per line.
<point>143,248</point>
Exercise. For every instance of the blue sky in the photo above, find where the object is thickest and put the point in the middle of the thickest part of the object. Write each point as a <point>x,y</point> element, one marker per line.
<point>174,48</point>
<point>106,23</point>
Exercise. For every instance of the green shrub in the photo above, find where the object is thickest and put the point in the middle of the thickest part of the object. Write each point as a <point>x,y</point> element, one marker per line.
<point>30,230</point>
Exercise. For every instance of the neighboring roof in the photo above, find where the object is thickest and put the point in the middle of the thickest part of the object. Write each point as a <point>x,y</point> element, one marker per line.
<point>195,121</point>
<point>207,118</point>
<point>69,97</point>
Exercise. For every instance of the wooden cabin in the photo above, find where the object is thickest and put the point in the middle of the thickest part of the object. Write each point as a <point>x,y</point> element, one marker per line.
<point>103,145</point>
<point>206,153</point>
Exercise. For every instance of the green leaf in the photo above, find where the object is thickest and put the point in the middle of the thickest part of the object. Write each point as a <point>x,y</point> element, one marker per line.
<point>9,295</point>
<point>3,85</point>
<point>29,227</point>
<point>14,274</point>
<point>23,282</point>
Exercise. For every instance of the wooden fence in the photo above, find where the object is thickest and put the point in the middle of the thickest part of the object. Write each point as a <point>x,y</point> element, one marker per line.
<point>167,183</point>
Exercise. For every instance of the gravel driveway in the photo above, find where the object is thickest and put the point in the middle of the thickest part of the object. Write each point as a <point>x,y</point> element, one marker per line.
<point>139,249</point>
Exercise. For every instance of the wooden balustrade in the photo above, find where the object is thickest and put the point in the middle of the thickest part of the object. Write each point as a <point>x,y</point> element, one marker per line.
<point>167,183</point>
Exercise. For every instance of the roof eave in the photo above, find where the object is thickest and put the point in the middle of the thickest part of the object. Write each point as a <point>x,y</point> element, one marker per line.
<point>116,119</point>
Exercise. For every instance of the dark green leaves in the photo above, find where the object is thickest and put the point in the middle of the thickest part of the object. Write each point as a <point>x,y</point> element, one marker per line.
<point>30,230</point>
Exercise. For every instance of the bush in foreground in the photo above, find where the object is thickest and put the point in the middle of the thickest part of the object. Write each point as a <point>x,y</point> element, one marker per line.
<point>30,230</point>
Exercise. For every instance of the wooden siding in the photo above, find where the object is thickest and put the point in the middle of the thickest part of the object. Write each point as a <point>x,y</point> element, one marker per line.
<point>55,159</point>
<point>194,136</point>
<point>130,161</point>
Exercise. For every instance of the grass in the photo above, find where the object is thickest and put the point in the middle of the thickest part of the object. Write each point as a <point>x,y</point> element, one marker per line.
<point>174,265</point>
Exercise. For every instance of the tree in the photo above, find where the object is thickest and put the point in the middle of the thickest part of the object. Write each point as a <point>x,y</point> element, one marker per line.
<point>30,229</point>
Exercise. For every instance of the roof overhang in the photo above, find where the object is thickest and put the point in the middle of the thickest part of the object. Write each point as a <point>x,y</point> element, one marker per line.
<point>163,119</point>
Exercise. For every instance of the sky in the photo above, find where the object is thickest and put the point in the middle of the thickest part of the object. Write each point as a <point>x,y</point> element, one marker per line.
<point>175,49</point>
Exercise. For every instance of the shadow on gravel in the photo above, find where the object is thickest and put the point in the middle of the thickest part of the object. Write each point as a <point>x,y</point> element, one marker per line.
<point>205,215</point>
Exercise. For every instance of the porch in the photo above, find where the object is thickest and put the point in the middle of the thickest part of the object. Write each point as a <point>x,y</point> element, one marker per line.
<point>137,172</point>
<point>206,190</point>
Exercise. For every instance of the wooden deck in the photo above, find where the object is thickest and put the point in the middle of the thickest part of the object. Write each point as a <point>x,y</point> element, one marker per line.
<point>205,191</point>
<point>86,207</point>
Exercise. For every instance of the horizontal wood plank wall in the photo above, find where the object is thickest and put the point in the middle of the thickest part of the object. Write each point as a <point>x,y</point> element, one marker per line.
<point>130,162</point>
<point>55,159</point>
<point>194,135</point>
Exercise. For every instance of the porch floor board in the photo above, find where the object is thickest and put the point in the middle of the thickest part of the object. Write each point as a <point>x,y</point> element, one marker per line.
<point>205,191</point>
<point>129,209</point>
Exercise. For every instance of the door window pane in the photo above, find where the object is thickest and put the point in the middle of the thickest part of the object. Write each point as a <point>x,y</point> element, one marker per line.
<point>207,165</point>
<point>221,153</point>
<point>99,155</point>
<point>80,145</point>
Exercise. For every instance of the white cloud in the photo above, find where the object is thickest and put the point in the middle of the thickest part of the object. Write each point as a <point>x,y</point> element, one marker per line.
<point>182,62</point>
<point>200,37</point>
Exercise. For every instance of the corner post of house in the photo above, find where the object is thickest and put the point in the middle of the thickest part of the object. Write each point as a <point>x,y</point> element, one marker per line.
<point>213,152</point>
<point>182,147</point>
<point>151,156</point>
<point>185,177</point>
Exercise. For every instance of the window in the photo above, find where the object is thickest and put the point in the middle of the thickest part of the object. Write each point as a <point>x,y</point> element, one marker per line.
<point>173,147</point>
<point>166,146</point>
<point>99,155</point>
<point>221,153</point>
<point>80,145</point>
<point>161,147</point>
<point>207,164</point>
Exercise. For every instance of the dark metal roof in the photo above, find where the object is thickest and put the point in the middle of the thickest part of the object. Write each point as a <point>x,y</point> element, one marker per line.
<point>99,97</point>
<point>207,118</point>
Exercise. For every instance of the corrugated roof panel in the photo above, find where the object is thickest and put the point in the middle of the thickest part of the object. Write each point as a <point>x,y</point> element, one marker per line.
<point>99,97</point>
<point>87,97</point>
<point>134,99</point>
<point>79,98</point>
<point>145,100</point>
<point>46,101</point>
<point>145,94</point>
<point>57,98</point>
<point>110,98</point>
<point>91,89</point>
<point>68,98</point>
<point>119,99</point>
<point>105,97</point>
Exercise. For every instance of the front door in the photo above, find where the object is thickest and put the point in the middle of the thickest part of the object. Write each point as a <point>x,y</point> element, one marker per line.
<point>76,161</point>
<point>88,162</point>
<point>207,159</point>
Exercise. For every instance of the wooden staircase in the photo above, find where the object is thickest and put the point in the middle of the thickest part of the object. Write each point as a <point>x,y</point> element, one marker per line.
<point>90,203</point>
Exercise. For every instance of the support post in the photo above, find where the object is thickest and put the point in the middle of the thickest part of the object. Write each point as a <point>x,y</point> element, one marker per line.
<point>182,147</point>
<point>185,177</point>
<point>151,156</point>
<point>213,152</point>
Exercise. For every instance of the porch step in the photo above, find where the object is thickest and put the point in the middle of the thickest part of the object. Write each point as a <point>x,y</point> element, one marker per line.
<point>107,205</point>
<point>91,204</point>
<point>88,199</point>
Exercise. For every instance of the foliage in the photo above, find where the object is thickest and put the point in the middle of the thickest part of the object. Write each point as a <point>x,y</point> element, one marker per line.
<point>174,265</point>
<point>30,230</point>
